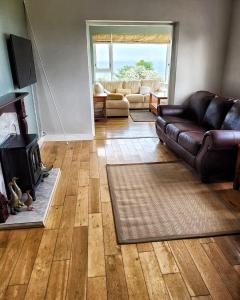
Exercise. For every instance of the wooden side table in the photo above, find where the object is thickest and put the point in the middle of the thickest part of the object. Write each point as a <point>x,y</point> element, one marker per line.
<point>236,183</point>
<point>157,96</point>
<point>100,113</point>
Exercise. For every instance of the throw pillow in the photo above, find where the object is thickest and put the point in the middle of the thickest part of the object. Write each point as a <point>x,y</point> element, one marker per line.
<point>98,88</point>
<point>113,96</point>
<point>144,90</point>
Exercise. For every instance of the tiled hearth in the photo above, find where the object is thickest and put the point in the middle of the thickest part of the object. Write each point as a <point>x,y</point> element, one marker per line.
<point>36,217</point>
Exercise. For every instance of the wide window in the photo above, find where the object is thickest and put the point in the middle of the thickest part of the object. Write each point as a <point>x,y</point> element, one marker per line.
<point>131,57</point>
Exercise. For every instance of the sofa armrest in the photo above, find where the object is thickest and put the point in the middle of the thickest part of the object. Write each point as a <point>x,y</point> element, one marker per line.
<point>170,110</point>
<point>222,139</point>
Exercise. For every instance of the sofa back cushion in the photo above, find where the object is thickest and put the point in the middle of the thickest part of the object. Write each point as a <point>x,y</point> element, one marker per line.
<point>112,86</point>
<point>124,91</point>
<point>134,85</point>
<point>196,105</point>
<point>216,112</point>
<point>153,84</point>
<point>232,119</point>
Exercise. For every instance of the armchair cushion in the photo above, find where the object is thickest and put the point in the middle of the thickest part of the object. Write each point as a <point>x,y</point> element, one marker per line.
<point>222,139</point>
<point>216,112</point>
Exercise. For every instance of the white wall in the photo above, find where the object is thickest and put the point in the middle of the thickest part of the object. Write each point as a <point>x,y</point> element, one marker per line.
<point>231,78</point>
<point>60,28</point>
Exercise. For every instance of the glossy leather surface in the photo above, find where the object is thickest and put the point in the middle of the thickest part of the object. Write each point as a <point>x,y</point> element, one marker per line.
<point>173,130</point>
<point>211,152</point>
<point>191,141</point>
<point>216,112</point>
<point>223,139</point>
<point>232,119</point>
<point>170,110</point>
<point>196,105</point>
<point>164,121</point>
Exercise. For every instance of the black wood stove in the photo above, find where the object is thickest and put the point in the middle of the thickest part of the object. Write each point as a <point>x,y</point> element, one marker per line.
<point>20,157</point>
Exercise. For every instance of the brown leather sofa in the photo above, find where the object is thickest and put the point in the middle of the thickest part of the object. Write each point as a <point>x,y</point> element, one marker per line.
<point>204,131</point>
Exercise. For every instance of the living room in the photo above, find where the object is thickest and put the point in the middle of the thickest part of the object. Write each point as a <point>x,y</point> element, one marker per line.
<point>139,211</point>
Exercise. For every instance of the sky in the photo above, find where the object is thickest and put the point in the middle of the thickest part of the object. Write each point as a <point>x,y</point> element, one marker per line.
<point>131,53</point>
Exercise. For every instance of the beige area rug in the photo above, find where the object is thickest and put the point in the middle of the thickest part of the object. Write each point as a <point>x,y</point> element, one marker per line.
<point>165,201</point>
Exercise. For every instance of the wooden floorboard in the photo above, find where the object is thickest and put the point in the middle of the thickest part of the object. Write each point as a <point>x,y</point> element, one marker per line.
<point>76,256</point>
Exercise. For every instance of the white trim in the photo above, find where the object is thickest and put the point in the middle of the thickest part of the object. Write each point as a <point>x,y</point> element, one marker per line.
<point>90,77</point>
<point>41,141</point>
<point>67,137</point>
<point>127,23</point>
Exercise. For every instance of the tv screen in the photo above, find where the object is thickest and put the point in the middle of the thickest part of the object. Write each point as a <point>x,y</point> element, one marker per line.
<point>22,63</point>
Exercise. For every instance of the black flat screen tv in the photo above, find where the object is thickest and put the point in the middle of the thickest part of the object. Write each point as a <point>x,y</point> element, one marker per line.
<point>21,59</point>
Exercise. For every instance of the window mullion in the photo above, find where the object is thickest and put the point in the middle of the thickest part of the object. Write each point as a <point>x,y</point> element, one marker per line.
<point>111,59</point>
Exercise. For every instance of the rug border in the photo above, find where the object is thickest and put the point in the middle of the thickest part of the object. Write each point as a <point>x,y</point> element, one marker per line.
<point>156,239</point>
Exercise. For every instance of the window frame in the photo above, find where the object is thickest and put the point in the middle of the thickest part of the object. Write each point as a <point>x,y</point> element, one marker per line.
<point>110,59</point>
<point>110,68</point>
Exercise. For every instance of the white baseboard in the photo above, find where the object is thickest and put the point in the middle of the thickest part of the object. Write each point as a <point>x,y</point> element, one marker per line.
<point>67,137</point>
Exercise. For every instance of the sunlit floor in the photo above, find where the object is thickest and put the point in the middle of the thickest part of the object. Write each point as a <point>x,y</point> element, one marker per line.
<point>124,128</point>
<point>76,255</point>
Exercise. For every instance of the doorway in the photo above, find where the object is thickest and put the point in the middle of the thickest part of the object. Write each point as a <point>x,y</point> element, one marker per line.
<point>134,60</point>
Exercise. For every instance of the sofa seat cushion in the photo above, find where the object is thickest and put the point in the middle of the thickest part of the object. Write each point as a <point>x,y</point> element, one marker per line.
<point>173,130</point>
<point>191,141</point>
<point>136,98</point>
<point>162,122</point>
<point>116,104</point>
<point>112,86</point>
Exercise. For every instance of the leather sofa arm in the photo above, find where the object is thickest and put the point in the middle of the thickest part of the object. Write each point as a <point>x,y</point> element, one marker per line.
<point>170,110</point>
<point>222,139</point>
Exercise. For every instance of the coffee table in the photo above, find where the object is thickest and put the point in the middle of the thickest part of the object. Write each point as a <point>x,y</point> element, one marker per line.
<point>155,100</point>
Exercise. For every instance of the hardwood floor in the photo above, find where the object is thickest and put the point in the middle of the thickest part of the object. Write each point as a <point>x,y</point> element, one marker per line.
<point>124,128</point>
<point>76,255</point>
